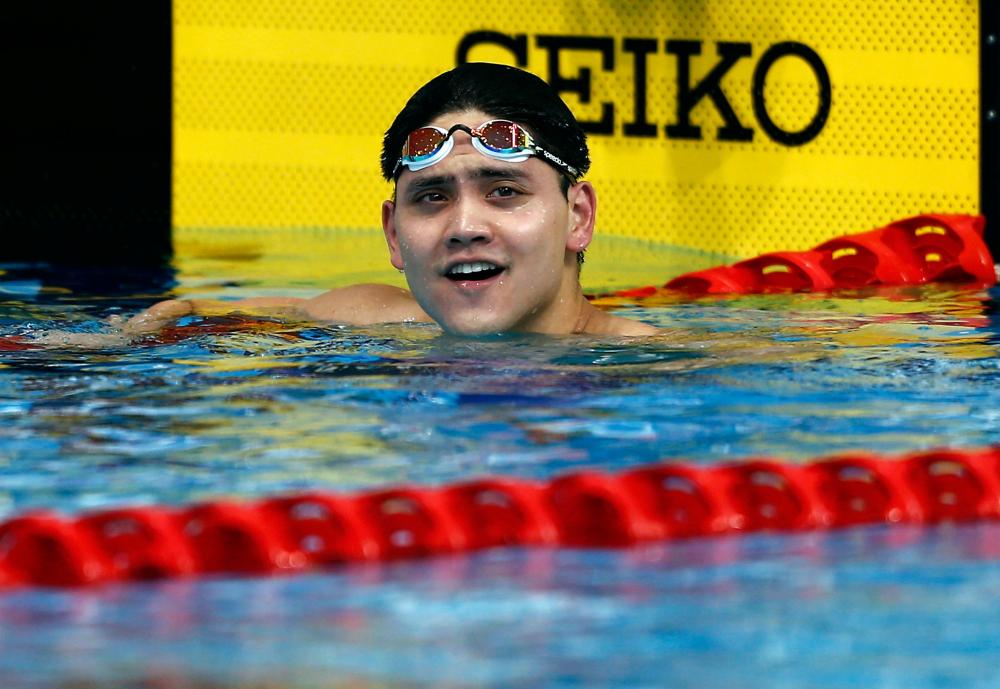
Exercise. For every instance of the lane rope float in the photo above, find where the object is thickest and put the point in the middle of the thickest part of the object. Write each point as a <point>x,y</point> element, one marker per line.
<point>586,509</point>
<point>929,248</point>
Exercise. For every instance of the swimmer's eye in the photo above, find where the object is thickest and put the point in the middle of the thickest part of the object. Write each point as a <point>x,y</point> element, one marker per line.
<point>504,192</point>
<point>429,197</point>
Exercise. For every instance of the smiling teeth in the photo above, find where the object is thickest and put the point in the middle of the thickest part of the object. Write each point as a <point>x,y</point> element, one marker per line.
<point>466,268</point>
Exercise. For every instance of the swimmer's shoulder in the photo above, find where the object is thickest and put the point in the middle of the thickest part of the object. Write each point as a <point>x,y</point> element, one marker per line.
<point>631,328</point>
<point>603,323</point>
<point>365,304</point>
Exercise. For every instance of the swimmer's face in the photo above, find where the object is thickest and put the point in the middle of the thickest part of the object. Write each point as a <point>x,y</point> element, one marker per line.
<point>489,246</point>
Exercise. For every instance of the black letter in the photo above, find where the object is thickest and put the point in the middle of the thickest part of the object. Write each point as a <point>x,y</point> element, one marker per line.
<point>517,44</point>
<point>710,86</point>
<point>767,60</point>
<point>641,47</point>
<point>580,84</point>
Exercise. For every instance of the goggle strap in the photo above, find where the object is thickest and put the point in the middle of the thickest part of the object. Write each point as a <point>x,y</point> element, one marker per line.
<point>558,162</point>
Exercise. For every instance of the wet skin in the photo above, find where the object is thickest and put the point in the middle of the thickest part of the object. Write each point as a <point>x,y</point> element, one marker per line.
<point>470,210</point>
<point>487,246</point>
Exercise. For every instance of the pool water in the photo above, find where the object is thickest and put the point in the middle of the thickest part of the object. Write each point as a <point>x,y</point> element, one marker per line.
<point>249,406</point>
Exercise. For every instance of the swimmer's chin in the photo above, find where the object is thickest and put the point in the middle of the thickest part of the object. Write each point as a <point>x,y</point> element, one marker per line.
<point>473,328</point>
<point>472,332</point>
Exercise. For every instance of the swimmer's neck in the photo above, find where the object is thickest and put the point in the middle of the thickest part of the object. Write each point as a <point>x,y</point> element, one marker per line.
<point>589,320</point>
<point>594,321</point>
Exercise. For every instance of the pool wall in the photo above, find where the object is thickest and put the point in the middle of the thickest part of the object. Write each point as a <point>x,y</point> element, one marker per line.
<point>87,121</point>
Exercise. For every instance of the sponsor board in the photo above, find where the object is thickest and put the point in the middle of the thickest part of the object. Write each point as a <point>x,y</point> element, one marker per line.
<point>725,127</point>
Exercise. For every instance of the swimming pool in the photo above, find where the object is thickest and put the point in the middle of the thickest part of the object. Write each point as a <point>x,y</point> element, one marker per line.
<point>247,409</point>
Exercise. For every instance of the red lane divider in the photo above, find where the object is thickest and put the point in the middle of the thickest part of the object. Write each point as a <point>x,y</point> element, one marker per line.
<point>140,543</point>
<point>580,509</point>
<point>913,251</point>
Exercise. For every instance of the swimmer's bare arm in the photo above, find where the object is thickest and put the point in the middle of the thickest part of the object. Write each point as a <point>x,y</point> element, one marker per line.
<point>355,305</point>
<point>364,304</point>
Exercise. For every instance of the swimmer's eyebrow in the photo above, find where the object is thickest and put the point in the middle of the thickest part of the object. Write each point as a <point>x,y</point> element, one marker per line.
<point>430,182</point>
<point>509,172</point>
<point>437,181</point>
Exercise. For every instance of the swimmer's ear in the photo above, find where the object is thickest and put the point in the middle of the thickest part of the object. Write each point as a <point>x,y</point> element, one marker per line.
<point>391,238</point>
<point>582,199</point>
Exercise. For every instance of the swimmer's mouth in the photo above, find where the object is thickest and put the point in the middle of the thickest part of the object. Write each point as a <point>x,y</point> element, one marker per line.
<point>475,271</point>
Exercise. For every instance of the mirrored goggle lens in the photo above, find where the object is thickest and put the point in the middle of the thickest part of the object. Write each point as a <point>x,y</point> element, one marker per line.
<point>503,136</point>
<point>423,142</point>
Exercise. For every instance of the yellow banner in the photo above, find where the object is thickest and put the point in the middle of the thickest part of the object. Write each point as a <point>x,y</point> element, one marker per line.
<point>726,127</point>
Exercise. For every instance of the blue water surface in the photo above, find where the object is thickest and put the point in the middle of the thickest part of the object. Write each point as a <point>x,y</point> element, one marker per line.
<point>250,406</point>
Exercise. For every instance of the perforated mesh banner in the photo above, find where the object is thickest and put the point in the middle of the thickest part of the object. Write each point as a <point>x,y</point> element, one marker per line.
<point>727,127</point>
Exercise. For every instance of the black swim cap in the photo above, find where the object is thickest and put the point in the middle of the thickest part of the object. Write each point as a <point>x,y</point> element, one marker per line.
<point>500,91</point>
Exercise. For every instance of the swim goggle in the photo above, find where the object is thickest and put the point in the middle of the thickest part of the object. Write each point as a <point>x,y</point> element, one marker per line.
<point>499,139</point>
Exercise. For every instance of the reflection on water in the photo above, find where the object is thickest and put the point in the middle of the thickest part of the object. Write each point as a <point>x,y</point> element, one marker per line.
<point>874,607</point>
<point>248,406</point>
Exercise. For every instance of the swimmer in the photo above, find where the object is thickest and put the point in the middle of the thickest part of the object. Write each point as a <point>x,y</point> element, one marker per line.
<point>488,220</point>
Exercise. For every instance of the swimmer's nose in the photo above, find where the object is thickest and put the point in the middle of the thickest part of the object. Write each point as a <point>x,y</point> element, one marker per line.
<point>467,226</point>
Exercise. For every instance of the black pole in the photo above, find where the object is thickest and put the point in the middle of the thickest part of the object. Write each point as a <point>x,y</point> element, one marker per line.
<point>989,138</point>
<point>85,173</point>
